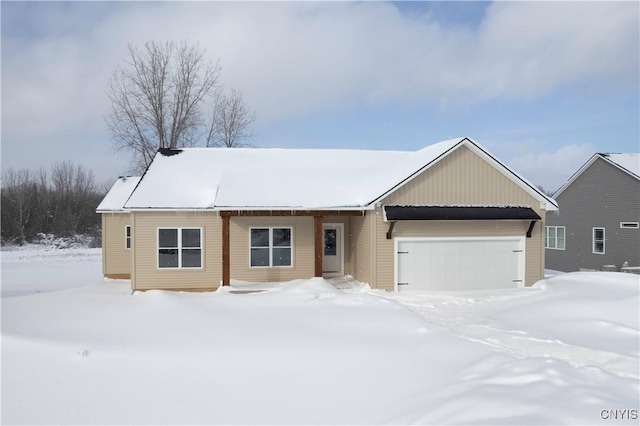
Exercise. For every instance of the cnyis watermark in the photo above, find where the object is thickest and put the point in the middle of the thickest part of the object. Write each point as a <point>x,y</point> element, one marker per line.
<point>618,414</point>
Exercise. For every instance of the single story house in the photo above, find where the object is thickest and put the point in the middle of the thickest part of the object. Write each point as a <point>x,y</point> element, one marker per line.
<point>449,216</point>
<point>598,224</point>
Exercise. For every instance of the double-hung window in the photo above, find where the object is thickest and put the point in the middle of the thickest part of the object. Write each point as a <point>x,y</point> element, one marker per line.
<point>598,240</point>
<point>554,237</point>
<point>179,248</point>
<point>127,237</point>
<point>271,247</point>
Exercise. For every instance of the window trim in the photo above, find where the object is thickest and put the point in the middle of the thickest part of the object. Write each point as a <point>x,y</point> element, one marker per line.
<point>629,225</point>
<point>180,248</point>
<point>127,237</point>
<point>546,237</point>
<point>270,247</point>
<point>593,240</point>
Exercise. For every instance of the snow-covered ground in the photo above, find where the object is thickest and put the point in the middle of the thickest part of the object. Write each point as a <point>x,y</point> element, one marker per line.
<point>563,352</point>
<point>36,268</point>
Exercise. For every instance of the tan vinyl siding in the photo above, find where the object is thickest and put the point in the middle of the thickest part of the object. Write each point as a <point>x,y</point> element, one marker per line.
<point>462,177</point>
<point>361,247</point>
<point>303,249</point>
<point>535,254</point>
<point>436,228</point>
<point>147,275</point>
<point>103,229</point>
<point>116,259</point>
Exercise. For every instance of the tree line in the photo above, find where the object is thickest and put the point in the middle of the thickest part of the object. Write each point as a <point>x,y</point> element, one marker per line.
<point>61,201</point>
<point>164,95</point>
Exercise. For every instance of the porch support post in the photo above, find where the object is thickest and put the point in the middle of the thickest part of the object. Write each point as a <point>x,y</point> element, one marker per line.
<point>318,243</point>
<point>530,230</point>
<point>390,231</point>
<point>225,250</point>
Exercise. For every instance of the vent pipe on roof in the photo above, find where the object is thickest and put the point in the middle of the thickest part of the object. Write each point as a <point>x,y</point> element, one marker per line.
<point>168,152</point>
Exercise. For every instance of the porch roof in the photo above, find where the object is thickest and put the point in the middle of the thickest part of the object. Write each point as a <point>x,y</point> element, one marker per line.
<point>393,213</point>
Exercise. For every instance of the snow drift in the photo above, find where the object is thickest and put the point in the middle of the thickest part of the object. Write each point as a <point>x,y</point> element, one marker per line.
<point>304,352</point>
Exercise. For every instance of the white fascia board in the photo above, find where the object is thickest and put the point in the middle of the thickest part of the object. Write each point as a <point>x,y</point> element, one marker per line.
<point>113,211</point>
<point>613,163</point>
<point>167,209</point>
<point>588,164</point>
<point>292,209</point>
<point>577,174</point>
<point>415,174</point>
<point>244,208</point>
<point>546,203</point>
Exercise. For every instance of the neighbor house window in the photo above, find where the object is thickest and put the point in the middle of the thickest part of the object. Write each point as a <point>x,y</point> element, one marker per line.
<point>127,237</point>
<point>598,240</point>
<point>630,225</point>
<point>554,237</point>
<point>271,247</point>
<point>179,248</point>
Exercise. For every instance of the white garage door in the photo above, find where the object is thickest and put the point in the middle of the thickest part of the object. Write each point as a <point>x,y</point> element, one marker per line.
<point>459,264</point>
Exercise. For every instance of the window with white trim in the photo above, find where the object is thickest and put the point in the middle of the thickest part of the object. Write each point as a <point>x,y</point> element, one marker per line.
<point>127,237</point>
<point>598,240</point>
<point>271,247</point>
<point>630,225</point>
<point>179,248</point>
<point>554,237</point>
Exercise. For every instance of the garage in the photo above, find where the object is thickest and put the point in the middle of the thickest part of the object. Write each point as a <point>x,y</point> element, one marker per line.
<point>473,263</point>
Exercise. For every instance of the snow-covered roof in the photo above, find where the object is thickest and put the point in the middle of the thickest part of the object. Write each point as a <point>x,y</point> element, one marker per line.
<point>267,178</point>
<point>629,163</point>
<point>118,194</point>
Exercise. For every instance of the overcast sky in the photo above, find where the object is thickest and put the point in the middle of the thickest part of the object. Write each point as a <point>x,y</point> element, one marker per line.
<point>542,85</point>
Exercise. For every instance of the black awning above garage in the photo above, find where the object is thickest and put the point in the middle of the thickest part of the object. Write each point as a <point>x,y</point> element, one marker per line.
<point>394,213</point>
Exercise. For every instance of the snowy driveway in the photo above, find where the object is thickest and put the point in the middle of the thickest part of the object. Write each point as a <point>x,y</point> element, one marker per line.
<point>510,321</point>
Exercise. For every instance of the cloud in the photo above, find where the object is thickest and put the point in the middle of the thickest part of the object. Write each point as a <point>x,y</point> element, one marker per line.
<point>299,57</point>
<point>531,48</point>
<point>552,169</point>
<point>295,59</point>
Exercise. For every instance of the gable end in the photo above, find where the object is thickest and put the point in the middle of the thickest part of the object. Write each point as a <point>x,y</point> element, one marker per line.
<point>463,177</point>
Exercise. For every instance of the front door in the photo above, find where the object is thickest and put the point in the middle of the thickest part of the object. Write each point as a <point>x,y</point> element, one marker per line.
<point>332,254</point>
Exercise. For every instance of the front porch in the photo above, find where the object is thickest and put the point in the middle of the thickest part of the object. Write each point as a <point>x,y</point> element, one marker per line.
<point>319,244</point>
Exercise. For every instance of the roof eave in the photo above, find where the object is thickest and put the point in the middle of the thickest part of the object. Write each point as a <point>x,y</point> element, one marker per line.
<point>415,173</point>
<point>546,203</point>
<point>252,208</point>
<point>588,164</point>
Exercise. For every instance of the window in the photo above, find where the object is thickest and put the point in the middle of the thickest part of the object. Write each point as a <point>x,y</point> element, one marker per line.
<point>179,248</point>
<point>554,237</point>
<point>270,247</point>
<point>598,240</point>
<point>330,242</point>
<point>127,237</point>
<point>630,225</point>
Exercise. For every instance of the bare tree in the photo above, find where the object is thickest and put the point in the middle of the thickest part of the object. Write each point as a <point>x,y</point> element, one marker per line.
<point>75,197</point>
<point>156,98</point>
<point>18,197</point>
<point>62,203</point>
<point>231,121</point>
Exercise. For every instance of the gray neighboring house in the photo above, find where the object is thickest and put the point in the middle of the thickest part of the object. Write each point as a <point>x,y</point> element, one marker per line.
<point>597,225</point>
